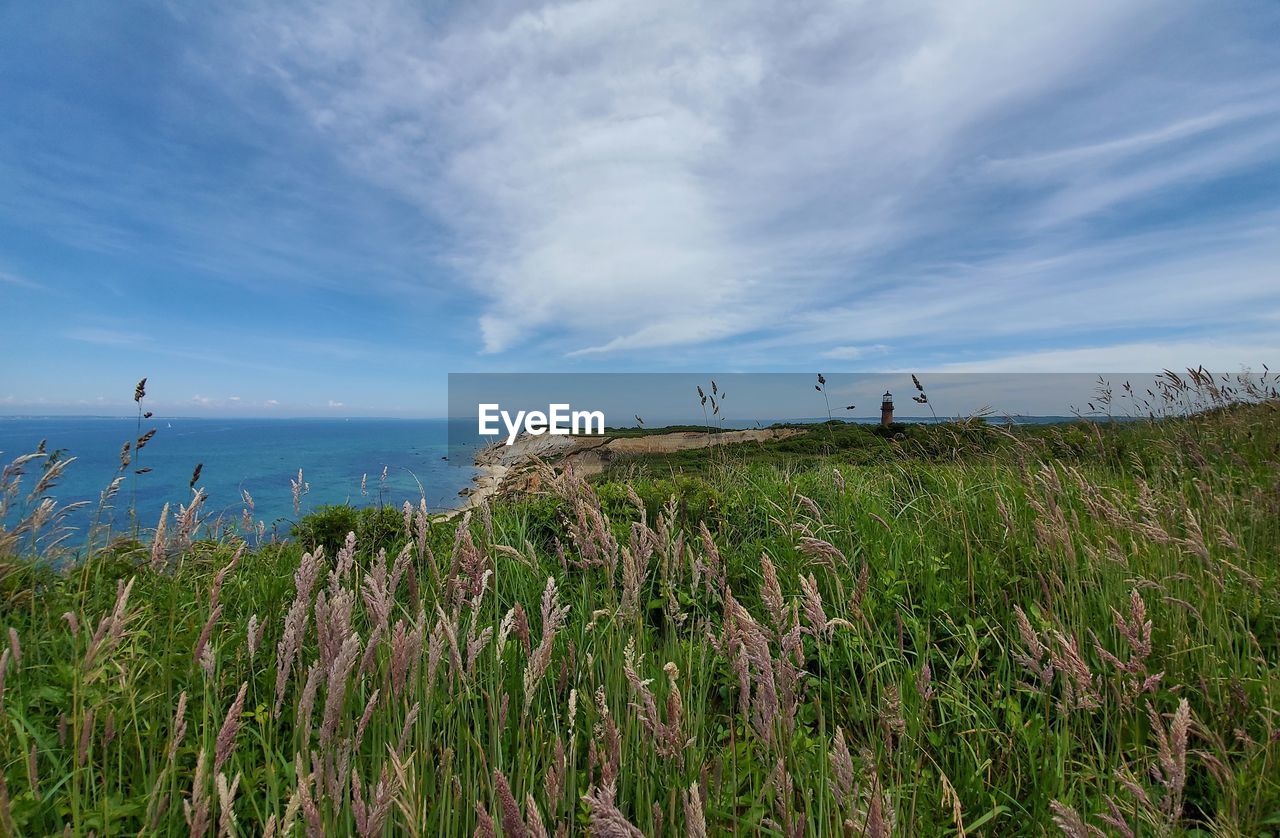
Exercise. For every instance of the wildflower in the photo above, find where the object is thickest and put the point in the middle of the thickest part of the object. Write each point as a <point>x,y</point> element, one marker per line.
<point>924,683</point>
<point>299,488</point>
<point>371,816</point>
<point>4,670</point>
<point>196,809</point>
<point>771,592</point>
<point>33,771</point>
<point>295,621</point>
<point>253,635</point>
<point>485,828</point>
<point>695,823</point>
<point>179,726</point>
<point>230,727</point>
<point>556,772</point>
<point>1136,632</point>
<point>336,691</point>
<point>1069,821</point>
<point>552,618</point>
<point>110,628</point>
<point>841,768</point>
<point>365,717</point>
<point>607,821</point>
<point>86,737</point>
<point>226,799</point>
<point>512,823</point>
<point>306,702</point>
<point>158,543</point>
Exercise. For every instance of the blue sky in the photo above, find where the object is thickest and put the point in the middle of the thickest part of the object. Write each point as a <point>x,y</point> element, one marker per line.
<point>322,209</point>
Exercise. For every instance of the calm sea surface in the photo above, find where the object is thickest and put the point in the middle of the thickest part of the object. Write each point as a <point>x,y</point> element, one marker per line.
<point>259,456</point>
<point>255,455</point>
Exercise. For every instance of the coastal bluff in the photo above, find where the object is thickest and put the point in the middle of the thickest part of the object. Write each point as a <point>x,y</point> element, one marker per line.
<point>513,468</point>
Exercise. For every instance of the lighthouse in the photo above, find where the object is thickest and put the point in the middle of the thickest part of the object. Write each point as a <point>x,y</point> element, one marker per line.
<point>886,409</point>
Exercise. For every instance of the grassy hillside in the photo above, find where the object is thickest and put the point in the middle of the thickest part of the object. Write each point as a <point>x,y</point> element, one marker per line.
<point>958,630</point>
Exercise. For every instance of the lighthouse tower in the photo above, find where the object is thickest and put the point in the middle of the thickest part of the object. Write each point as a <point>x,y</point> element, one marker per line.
<point>886,409</point>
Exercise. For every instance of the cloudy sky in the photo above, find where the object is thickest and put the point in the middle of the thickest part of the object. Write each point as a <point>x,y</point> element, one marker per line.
<point>323,209</point>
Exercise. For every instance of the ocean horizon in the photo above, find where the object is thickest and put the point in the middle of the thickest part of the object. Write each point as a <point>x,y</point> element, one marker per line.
<point>237,455</point>
<point>359,461</point>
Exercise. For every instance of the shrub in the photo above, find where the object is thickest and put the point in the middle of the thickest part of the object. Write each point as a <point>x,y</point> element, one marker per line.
<point>376,528</point>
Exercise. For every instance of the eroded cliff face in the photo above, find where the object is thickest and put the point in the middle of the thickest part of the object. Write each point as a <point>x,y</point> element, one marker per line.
<point>513,468</point>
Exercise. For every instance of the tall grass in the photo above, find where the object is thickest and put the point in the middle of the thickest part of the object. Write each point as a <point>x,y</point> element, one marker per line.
<point>997,633</point>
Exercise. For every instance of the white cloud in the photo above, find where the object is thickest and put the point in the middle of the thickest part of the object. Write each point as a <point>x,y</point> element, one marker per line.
<point>616,177</point>
<point>855,353</point>
<point>1088,195</point>
<point>1219,278</point>
<point>1219,356</point>
<point>333,403</point>
<point>1068,162</point>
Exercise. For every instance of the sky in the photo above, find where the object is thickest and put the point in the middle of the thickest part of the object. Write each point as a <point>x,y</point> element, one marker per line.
<point>754,399</point>
<point>325,208</point>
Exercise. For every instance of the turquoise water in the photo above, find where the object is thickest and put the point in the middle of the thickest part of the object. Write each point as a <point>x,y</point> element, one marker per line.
<point>256,455</point>
<point>260,456</point>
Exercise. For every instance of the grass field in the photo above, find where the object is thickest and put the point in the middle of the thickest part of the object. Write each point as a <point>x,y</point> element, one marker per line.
<point>959,630</point>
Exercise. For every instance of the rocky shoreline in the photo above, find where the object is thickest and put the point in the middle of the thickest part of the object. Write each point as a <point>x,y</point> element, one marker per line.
<point>512,468</point>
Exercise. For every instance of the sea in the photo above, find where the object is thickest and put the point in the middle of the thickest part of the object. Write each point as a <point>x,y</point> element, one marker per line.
<point>357,461</point>
<point>363,462</point>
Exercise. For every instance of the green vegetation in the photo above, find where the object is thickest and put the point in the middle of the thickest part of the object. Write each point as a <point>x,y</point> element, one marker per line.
<point>375,527</point>
<point>963,629</point>
<point>639,431</point>
<point>813,444</point>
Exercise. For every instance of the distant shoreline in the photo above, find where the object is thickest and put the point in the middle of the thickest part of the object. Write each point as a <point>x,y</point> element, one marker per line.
<point>505,468</point>
<point>502,469</point>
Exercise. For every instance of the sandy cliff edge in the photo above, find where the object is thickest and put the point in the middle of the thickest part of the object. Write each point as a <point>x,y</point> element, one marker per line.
<point>507,468</point>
